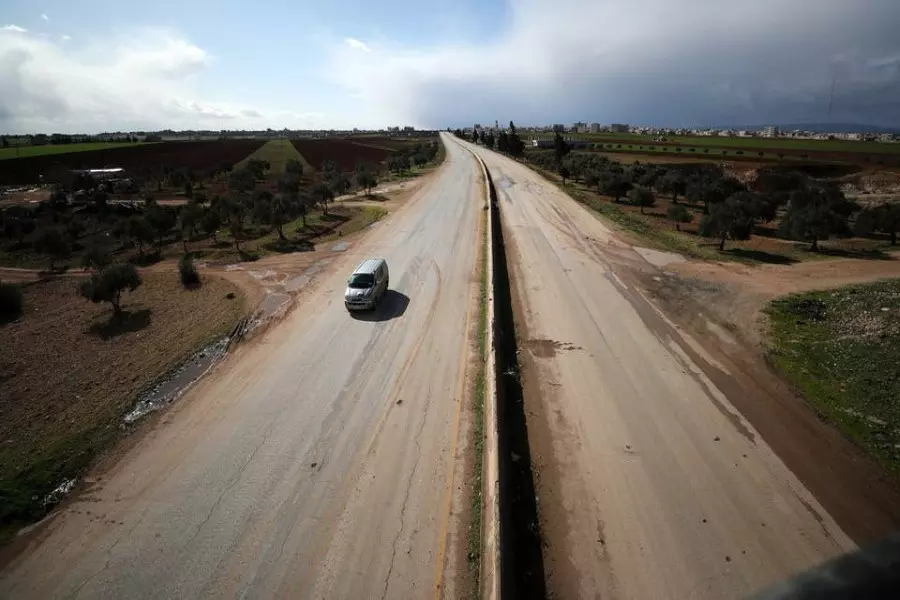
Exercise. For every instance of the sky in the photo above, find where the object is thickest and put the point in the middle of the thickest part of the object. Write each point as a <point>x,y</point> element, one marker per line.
<point>102,65</point>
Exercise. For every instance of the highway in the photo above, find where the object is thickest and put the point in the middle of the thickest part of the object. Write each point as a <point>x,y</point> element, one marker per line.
<point>320,461</point>
<point>327,459</point>
<point>650,483</point>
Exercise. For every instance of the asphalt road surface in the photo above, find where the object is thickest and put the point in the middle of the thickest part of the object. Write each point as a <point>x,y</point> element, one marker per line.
<point>651,485</point>
<point>318,462</point>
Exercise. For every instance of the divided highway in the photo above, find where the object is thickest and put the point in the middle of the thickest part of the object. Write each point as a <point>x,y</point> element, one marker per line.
<point>651,485</point>
<point>319,462</point>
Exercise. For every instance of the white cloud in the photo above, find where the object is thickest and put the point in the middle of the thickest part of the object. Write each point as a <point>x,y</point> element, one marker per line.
<point>657,61</point>
<point>45,17</point>
<point>14,28</point>
<point>65,37</point>
<point>146,79</point>
<point>357,44</point>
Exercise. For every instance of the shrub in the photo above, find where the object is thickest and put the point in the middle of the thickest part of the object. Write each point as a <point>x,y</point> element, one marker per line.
<point>108,285</point>
<point>188,272</point>
<point>96,257</point>
<point>679,214</point>
<point>642,197</point>
<point>10,302</point>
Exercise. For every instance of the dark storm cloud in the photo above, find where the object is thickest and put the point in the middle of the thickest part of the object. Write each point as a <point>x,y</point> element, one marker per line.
<point>688,62</point>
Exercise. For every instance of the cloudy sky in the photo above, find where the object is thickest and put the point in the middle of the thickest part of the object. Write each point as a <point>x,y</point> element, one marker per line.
<point>97,65</point>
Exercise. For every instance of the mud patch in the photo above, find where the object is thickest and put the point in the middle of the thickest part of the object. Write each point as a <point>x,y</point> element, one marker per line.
<point>295,284</point>
<point>271,304</point>
<point>658,258</point>
<point>178,381</point>
<point>549,348</point>
<point>267,277</point>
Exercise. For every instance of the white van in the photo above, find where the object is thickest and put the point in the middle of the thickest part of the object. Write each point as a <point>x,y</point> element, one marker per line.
<point>367,285</point>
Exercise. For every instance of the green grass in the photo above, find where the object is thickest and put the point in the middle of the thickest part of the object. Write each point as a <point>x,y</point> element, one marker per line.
<point>750,145</point>
<point>277,153</point>
<point>477,504</point>
<point>26,151</point>
<point>840,349</point>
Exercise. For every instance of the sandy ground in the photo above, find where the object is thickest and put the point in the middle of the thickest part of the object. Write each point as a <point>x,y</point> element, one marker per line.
<point>737,293</point>
<point>666,467</point>
<point>320,461</point>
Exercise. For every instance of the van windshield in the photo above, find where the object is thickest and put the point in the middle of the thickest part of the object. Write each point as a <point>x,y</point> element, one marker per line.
<point>361,281</point>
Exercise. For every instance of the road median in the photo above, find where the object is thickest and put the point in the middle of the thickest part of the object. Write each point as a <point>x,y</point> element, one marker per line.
<point>511,565</point>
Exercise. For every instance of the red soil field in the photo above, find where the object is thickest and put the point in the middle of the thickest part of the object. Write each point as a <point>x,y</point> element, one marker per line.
<point>345,154</point>
<point>136,160</point>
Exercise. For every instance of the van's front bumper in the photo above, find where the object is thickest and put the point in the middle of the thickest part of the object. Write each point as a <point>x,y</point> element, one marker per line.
<point>359,304</point>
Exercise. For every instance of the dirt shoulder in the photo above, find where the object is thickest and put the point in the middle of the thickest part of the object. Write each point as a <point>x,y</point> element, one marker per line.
<point>721,308</point>
<point>68,373</point>
<point>737,293</point>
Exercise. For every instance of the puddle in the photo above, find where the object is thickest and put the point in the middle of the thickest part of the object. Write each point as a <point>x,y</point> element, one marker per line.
<point>658,258</point>
<point>59,493</point>
<point>340,247</point>
<point>271,304</point>
<point>263,275</point>
<point>178,381</point>
<point>505,183</point>
<point>234,267</point>
<point>296,283</point>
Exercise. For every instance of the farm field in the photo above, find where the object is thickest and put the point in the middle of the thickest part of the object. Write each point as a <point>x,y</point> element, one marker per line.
<point>26,151</point>
<point>739,143</point>
<point>170,207</point>
<point>277,153</point>
<point>71,372</point>
<point>345,153</point>
<point>389,143</point>
<point>141,159</point>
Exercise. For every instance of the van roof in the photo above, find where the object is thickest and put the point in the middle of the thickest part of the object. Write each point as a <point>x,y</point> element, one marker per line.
<point>369,265</point>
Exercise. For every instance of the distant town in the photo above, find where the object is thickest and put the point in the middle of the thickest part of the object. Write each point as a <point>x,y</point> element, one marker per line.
<point>537,133</point>
<point>661,133</point>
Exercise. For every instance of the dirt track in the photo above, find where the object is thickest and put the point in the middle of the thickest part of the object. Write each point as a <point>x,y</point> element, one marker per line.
<point>651,483</point>
<point>322,460</point>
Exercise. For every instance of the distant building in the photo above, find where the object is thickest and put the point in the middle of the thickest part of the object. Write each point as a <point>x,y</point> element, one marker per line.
<point>595,127</point>
<point>559,128</point>
<point>770,132</point>
<point>618,128</point>
<point>579,127</point>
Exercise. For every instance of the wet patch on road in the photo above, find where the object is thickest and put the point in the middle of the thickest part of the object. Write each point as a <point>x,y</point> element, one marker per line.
<point>176,382</point>
<point>549,348</point>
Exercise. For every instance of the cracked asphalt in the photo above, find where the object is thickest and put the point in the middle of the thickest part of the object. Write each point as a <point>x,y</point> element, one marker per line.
<point>316,462</point>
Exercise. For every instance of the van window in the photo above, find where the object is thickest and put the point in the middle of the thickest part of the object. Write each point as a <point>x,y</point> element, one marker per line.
<point>361,281</point>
